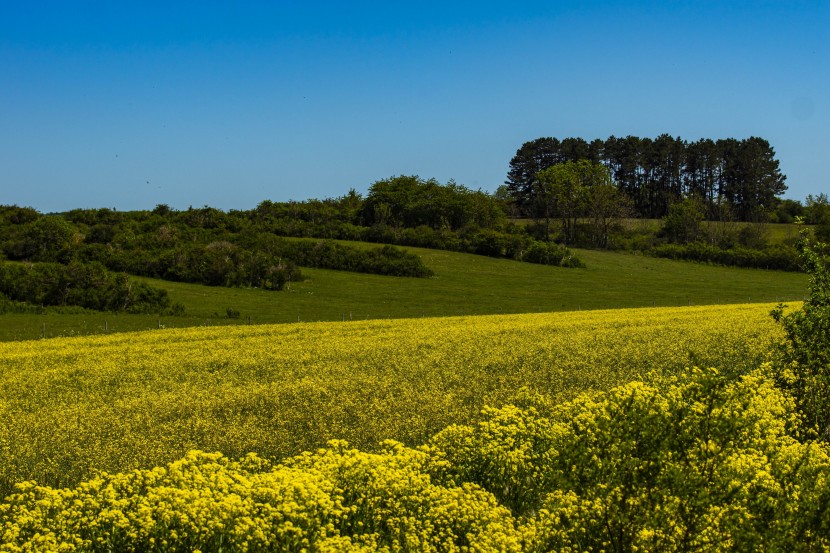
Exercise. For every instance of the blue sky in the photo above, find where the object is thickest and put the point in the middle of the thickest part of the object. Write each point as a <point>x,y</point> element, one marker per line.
<point>130,104</point>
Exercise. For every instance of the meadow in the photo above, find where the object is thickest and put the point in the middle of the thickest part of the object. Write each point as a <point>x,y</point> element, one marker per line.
<point>464,285</point>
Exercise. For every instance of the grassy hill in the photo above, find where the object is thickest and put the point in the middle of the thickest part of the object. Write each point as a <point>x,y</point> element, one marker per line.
<point>464,284</point>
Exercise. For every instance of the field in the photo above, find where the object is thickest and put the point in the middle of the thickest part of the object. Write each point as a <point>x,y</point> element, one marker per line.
<point>529,432</point>
<point>70,406</point>
<point>390,427</point>
<point>463,285</point>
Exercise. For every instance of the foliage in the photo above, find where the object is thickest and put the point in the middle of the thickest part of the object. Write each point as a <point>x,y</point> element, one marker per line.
<point>217,263</point>
<point>561,192</point>
<point>410,201</point>
<point>817,209</point>
<point>656,173</point>
<point>683,222</point>
<point>10,306</point>
<point>803,362</point>
<point>706,464</point>
<point>606,206</point>
<point>548,253</point>
<point>85,285</point>
<point>702,462</point>
<point>327,254</point>
<point>539,154</point>
<point>787,210</point>
<point>778,257</point>
<point>245,248</point>
<point>48,238</point>
<point>575,190</point>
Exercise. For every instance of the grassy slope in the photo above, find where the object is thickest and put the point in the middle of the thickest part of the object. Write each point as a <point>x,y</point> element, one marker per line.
<point>464,285</point>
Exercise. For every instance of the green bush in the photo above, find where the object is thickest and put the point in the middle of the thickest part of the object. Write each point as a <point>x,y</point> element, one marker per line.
<point>90,286</point>
<point>550,253</point>
<point>701,463</point>
<point>779,257</point>
<point>327,254</point>
<point>803,358</point>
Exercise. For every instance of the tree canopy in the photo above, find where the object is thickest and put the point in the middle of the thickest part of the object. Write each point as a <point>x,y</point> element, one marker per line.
<point>656,173</point>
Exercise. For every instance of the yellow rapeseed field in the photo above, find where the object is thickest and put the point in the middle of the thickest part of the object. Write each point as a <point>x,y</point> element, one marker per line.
<point>70,407</point>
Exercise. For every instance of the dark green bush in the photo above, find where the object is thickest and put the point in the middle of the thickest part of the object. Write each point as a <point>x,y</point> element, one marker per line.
<point>550,253</point>
<point>777,257</point>
<point>802,365</point>
<point>90,286</point>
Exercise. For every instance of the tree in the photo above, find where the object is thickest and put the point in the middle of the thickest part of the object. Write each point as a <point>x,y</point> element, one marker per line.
<point>802,365</point>
<point>16,215</point>
<point>606,206</point>
<point>534,156</point>
<point>817,209</point>
<point>760,180</point>
<point>701,170</point>
<point>622,158</point>
<point>669,156</point>
<point>656,173</point>
<point>563,190</point>
<point>786,211</point>
<point>49,238</point>
<point>507,201</point>
<point>683,222</point>
<point>410,201</point>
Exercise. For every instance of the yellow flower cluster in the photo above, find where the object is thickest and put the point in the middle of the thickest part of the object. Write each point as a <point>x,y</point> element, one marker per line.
<point>72,406</point>
<point>701,462</point>
<point>338,499</point>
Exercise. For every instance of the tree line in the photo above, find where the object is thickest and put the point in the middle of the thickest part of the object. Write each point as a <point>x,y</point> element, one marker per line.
<point>576,191</point>
<point>741,175</point>
<point>252,248</point>
<point>407,210</point>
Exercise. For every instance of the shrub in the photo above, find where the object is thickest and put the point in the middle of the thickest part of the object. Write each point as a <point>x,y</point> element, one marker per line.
<point>777,257</point>
<point>550,253</point>
<point>803,360</point>
<point>700,463</point>
<point>89,286</point>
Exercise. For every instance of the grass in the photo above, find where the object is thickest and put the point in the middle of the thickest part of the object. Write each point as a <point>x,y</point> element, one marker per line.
<point>464,285</point>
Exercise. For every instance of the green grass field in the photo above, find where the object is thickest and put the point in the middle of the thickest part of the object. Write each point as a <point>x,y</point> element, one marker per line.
<point>464,285</point>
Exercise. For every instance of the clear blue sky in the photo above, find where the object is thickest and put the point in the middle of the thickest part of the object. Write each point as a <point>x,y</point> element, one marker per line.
<point>131,104</point>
